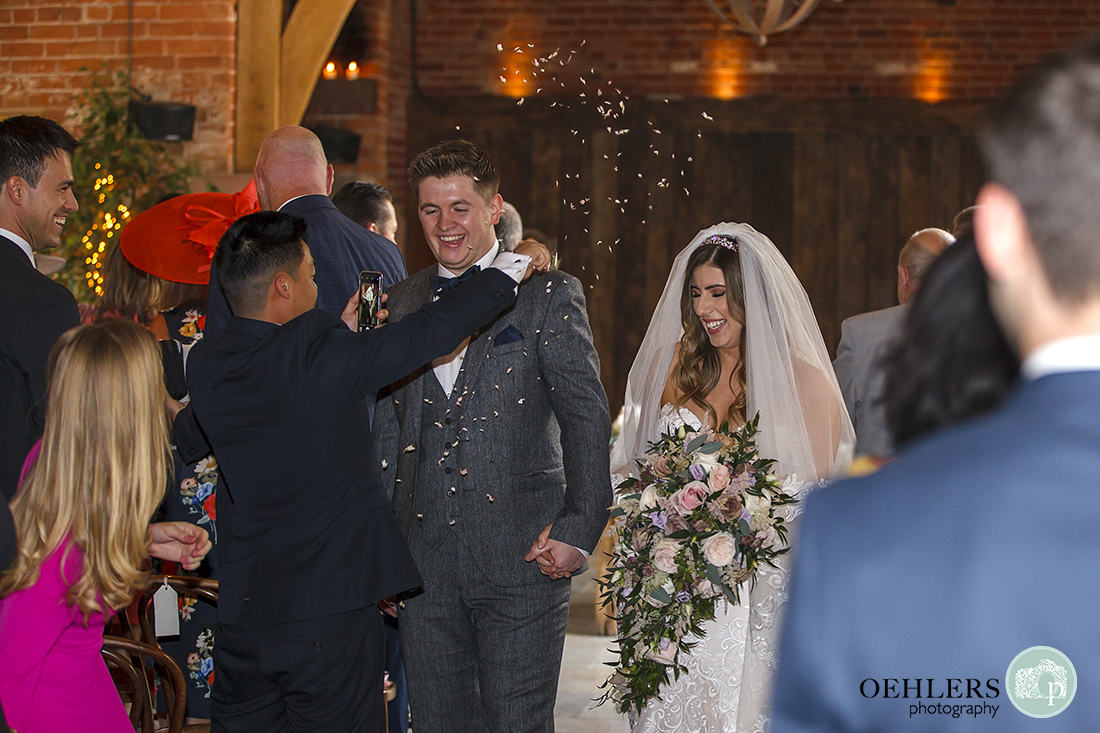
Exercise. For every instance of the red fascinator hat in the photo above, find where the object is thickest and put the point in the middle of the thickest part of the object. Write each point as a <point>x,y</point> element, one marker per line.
<point>175,240</point>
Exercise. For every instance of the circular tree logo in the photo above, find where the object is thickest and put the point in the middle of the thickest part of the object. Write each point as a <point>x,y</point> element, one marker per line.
<point>1041,682</point>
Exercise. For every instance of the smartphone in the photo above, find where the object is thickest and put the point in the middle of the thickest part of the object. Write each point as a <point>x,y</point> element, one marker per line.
<point>370,294</point>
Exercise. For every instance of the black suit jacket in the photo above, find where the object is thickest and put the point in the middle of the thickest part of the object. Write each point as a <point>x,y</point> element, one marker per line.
<point>341,249</point>
<point>34,312</point>
<point>305,525</point>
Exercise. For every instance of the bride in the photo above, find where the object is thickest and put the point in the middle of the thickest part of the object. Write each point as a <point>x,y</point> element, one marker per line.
<point>734,335</point>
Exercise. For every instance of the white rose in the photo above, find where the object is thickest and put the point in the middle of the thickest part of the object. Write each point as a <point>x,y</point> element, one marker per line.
<point>757,504</point>
<point>648,499</point>
<point>707,460</point>
<point>720,549</point>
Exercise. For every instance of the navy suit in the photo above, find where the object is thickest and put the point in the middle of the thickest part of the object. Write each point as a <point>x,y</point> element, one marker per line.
<point>308,540</point>
<point>978,543</point>
<point>34,312</point>
<point>341,249</point>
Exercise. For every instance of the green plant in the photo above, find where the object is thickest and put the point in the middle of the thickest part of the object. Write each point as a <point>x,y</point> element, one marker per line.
<point>117,174</point>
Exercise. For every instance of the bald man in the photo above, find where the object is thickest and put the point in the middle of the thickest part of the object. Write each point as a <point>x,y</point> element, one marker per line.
<point>865,337</point>
<point>293,176</point>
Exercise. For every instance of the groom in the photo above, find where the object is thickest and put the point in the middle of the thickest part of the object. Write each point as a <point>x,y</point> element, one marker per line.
<point>497,459</point>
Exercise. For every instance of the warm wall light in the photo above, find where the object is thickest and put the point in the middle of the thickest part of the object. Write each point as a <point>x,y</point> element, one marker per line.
<point>353,70</point>
<point>930,84</point>
<point>330,70</point>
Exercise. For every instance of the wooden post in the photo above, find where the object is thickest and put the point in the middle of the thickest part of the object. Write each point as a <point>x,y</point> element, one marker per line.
<point>307,42</point>
<point>259,26</point>
<point>277,69</point>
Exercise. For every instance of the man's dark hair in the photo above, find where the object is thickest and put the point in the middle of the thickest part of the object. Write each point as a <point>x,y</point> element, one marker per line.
<point>456,157</point>
<point>26,143</point>
<point>255,248</point>
<point>363,202</point>
<point>1043,144</point>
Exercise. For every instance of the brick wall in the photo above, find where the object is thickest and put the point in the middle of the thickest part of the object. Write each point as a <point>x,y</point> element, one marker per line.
<point>183,51</point>
<point>927,49</point>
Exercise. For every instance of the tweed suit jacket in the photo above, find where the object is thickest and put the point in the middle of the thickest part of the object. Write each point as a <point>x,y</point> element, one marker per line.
<point>863,341</point>
<point>341,249</point>
<point>979,542</point>
<point>534,445</point>
<point>34,312</point>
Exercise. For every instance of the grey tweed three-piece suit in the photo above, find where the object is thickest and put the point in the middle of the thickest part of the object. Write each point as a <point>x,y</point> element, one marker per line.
<point>521,442</point>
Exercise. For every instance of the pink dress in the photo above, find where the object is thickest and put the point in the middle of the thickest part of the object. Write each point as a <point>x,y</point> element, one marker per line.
<point>52,676</point>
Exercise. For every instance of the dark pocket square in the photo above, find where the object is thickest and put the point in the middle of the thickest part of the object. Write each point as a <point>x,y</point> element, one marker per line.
<point>507,336</point>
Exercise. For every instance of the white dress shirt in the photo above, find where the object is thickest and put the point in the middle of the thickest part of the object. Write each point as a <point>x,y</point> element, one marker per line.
<point>514,265</point>
<point>1077,354</point>
<point>23,244</point>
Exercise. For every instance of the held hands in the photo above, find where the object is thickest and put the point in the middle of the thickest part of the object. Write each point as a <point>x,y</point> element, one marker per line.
<point>539,254</point>
<point>350,316</point>
<point>179,542</point>
<point>555,559</point>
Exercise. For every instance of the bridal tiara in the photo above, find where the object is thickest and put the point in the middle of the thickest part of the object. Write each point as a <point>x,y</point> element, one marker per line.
<point>724,240</point>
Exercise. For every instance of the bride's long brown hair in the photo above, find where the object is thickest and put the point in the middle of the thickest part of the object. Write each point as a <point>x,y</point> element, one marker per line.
<point>699,368</point>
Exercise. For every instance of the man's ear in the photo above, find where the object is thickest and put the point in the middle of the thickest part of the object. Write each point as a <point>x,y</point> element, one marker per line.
<point>496,206</point>
<point>903,284</point>
<point>15,189</point>
<point>282,285</point>
<point>373,228</point>
<point>1001,233</point>
<point>330,176</point>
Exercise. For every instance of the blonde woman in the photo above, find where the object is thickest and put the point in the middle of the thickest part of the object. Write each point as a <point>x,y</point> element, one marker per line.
<point>82,523</point>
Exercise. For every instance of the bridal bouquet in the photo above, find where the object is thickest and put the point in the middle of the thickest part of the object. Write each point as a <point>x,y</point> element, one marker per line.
<point>694,527</point>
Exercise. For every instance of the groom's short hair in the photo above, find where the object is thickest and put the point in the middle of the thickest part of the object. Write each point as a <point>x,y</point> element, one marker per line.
<point>456,158</point>
<point>1043,144</point>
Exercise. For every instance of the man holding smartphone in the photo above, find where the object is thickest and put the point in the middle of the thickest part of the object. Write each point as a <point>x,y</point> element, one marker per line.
<point>309,542</point>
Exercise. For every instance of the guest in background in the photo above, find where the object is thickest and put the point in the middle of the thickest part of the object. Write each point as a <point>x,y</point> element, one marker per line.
<point>370,205</point>
<point>37,178</point>
<point>157,276</point>
<point>863,339</point>
<point>977,544</point>
<point>293,176</point>
<point>82,517</point>
<point>951,361</point>
<point>509,228</point>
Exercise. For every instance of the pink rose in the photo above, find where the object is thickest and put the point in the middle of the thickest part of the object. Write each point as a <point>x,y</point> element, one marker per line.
<point>662,466</point>
<point>664,555</point>
<point>719,478</point>
<point>720,549</point>
<point>728,505</point>
<point>689,498</point>
<point>675,524</point>
<point>665,653</point>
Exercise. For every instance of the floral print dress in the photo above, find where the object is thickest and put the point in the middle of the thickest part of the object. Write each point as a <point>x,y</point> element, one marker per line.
<point>190,498</point>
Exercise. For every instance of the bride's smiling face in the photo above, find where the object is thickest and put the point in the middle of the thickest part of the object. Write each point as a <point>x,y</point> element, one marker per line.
<point>708,296</point>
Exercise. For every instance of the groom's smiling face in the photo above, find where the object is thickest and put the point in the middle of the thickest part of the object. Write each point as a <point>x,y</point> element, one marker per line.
<point>457,220</point>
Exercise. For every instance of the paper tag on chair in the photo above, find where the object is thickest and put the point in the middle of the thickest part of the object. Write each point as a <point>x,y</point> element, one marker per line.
<point>166,611</point>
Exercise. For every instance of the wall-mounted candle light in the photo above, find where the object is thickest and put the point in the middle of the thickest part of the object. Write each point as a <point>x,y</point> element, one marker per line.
<point>353,71</point>
<point>330,70</point>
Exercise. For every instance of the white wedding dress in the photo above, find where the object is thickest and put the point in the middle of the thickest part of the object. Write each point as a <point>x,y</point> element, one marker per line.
<point>803,427</point>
